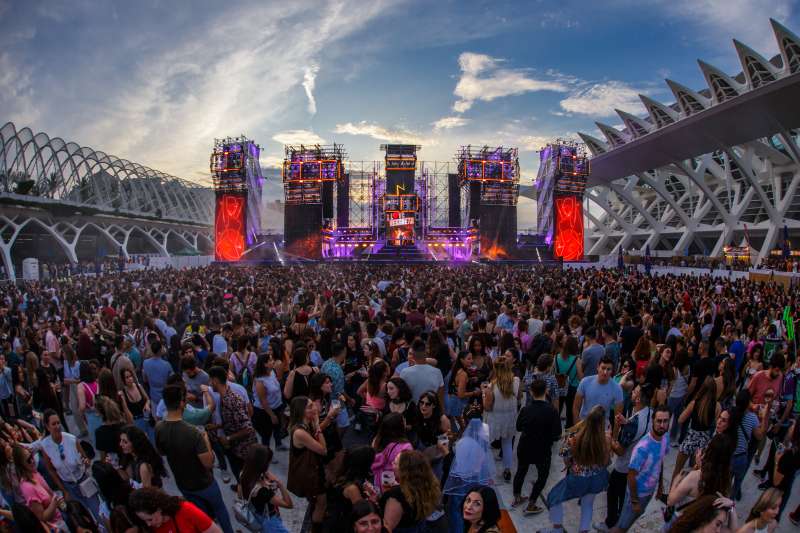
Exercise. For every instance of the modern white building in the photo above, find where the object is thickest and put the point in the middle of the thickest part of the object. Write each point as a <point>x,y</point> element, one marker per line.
<point>719,166</point>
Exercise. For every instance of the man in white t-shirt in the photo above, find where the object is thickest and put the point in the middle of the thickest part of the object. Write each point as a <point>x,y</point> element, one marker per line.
<point>422,377</point>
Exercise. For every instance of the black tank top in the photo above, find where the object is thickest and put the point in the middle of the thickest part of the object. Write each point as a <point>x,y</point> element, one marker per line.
<point>301,386</point>
<point>136,408</point>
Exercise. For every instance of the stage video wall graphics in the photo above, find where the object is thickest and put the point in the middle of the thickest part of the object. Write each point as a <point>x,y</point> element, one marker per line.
<point>569,228</point>
<point>229,227</point>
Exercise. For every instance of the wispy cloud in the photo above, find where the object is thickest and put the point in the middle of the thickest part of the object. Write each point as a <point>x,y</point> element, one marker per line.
<point>191,86</point>
<point>382,133</point>
<point>446,123</point>
<point>721,20</point>
<point>298,137</point>
<point>309,80</point>
<point>601,99</point>
<point>17,93</point>
<point>482,78</point>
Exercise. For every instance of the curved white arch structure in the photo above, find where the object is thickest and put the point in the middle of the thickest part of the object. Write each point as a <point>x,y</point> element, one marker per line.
<point>653,190</point>
<point>65,188</point>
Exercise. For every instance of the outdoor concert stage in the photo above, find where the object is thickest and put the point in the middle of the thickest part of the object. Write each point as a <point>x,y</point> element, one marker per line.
<point>401,209</point>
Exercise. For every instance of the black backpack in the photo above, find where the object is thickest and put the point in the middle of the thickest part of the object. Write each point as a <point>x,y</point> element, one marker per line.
<point>541,344</point>
<point>628,433</point>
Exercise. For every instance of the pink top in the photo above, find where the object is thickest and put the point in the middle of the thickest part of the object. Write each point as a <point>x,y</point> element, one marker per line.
<point>384,461</point>
<point>89,392</point>
<point>38,491</point>
<point>376,402</point>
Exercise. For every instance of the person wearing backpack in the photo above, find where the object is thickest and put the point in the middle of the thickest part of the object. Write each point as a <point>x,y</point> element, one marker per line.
<point>630,431</point>
<point>243,362</point>
<point>568,375</point>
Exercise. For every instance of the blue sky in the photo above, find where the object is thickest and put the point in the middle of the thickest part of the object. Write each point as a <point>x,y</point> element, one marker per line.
<point>156,81</point>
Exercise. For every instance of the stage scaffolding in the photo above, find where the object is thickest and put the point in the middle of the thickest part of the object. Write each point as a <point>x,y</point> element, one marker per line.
<point>363,198</point>
<point>435,175</point>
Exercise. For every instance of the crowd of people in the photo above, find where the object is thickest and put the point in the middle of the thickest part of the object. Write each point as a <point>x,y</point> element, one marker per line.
<point>405,395</point>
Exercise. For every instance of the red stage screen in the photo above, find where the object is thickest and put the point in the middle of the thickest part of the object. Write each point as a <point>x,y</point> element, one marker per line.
<point>229,227</point>
<point>569,228</point>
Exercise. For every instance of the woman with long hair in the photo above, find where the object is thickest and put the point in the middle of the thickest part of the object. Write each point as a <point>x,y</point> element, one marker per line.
<point>45,395</point>
<point>112,489</point>
<point>642,353</point>
<point>501,399</point>
<point>481,510</point>
<point>744,426</point>
<point>566,365</point>
<point>461,387</point>
<point>431,422</point>
<point>762,517</point>
<point>72,367</point>
<point>353,484</point>
<point>267,400</point>
<point>677,394</point>
<point>321,387</point>
<point>481,362</point>
<point>407,504</point>
<point>706,514</point>
<point>586,456</point>
<point>711,475</point>
<point>263,490</point>
<point>373,390</point>
<point>139,459</point>
<point>136,401</point>
<point>36,493</point>
<point>726,383</point>
<point>298,380</point>
<point>107,435</point>
<point>306,453</point>
<point>390,440</point>
<point>753,365</point>
<point>701,413</point>
<point>163,513</point>
<point>88,389</point>
<point>400,400</point>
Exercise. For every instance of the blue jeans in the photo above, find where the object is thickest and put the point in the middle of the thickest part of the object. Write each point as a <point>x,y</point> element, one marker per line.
<point>627,517</point>
<point>143,424</point>
<point>273,524</point>
<point>92,504</point>
<point>739,465</point>
<point>586,502</point>
<point>93,422</point>
<point>675,406</point>
<point>210,501</point>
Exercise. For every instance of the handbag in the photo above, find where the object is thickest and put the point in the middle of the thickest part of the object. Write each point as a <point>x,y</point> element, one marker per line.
<point>88,487</point>
<point>562,378</point>
<point>305,473</point>
<point>245,513</point>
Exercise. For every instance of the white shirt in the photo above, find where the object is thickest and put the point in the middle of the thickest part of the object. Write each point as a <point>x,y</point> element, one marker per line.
<point>71,467</point>
<point>534,326</point>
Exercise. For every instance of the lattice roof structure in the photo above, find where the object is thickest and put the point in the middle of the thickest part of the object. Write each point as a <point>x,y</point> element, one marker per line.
<point>719,166</point>
<point>37,168</point>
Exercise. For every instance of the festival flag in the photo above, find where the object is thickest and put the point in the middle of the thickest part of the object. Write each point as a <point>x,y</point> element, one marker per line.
<point>788,322</point>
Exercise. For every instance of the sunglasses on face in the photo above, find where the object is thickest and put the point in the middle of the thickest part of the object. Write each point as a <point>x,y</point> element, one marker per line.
<point>425,402</point>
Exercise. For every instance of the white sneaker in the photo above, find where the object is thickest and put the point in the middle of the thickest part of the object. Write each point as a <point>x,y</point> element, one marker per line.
<point>600,526</point>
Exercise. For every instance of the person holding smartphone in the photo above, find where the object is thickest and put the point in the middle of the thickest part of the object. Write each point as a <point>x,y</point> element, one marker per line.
<point>263,490</point>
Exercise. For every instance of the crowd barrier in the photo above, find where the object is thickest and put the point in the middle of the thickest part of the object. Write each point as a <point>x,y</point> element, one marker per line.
<point>786,278</point>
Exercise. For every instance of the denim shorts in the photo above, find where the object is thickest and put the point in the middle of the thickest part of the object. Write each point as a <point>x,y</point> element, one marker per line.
<point>627,517</point>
